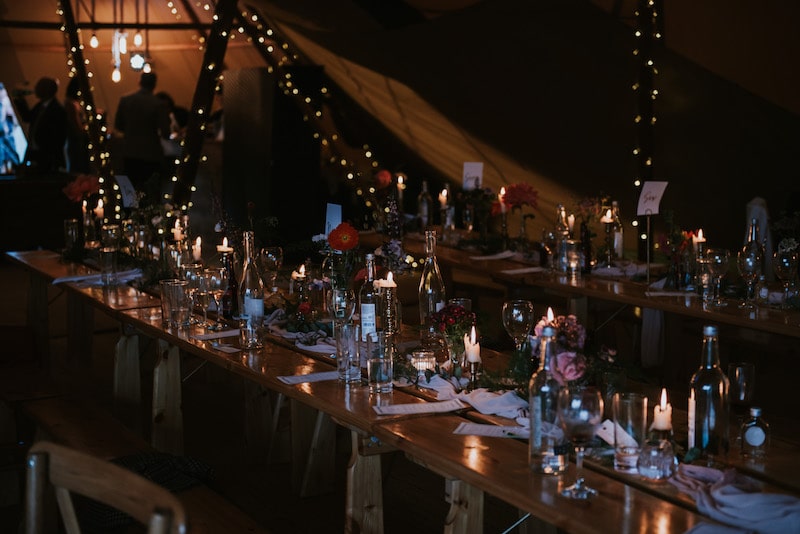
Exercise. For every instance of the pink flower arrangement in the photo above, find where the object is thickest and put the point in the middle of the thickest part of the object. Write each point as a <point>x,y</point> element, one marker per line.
<point>82,187</point>
<point>521,194</point>
<point>568,367</point>
<point>570,363</point>
<point>383,179</point>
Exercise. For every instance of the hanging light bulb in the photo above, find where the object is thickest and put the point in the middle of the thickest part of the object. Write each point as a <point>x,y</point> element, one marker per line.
<point>116,76</point>
<point>147,67</point>
<point>138,39</point>
<point>137,61</point>
<point>94,42</point>
<point>123,43</point>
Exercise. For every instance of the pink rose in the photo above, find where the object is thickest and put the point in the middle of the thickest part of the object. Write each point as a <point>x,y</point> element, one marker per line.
<point>383,179</point>
<point>567,367</point>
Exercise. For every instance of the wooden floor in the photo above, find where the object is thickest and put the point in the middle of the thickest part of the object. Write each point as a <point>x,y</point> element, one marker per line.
<point>213,408</point>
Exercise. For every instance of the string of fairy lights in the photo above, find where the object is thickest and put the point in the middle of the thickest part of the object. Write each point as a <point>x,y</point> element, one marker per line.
<point>356,164</point>
<point>648,33</point>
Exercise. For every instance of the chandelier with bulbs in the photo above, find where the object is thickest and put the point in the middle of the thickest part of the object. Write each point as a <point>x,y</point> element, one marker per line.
<point>138,56</point>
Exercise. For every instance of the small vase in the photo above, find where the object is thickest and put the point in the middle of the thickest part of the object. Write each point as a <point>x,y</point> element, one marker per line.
<point>455,347</point>
<point>338,266</point>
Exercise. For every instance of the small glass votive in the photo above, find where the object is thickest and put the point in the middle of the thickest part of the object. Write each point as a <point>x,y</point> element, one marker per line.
<point>423,360</point>
<point>72,232</point>
<point>656,460</point>
<point>573,253</point>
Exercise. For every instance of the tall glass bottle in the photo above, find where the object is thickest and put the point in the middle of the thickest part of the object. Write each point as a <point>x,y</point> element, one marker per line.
<point>424,207</point>
<point>560,262</point>
<point>544,452</point>
<point>431,285</point>
<point>709,410</point>
<point>617,229</point>
<point>251,303</point>
<point>230,299</point>
<point>753,241</point>
<point>368,301</point>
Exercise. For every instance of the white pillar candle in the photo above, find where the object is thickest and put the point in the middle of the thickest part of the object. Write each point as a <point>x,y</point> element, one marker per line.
<point>99,212</point>
<point>197,250</point>
<point>224,246</point>
<point>471,346</point>
<point>691,419</point>
<point>443,198</point>
<point>662,414</point>
<point>502,199</point>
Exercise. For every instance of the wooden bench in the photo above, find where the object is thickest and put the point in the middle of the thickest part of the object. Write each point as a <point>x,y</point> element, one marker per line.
<point>80,424</point>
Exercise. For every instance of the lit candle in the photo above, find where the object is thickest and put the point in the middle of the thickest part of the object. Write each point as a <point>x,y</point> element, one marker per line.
<point>698,240</point>
<point>400,187</point>
<point>607,218</point>
<point>299,274</point>
<point>571,222</point>
<point>691,419</point>
<point>662,414</point>
<point>550,315</point>
<point>502,198</point>
<point>83,208</point>
<point>389,282</point>
<point>443,198</point>
<point>224,248</point>
<point>99,212</point>
<point>472,348</point>
<point>197,250</point>
<point>177,232</point>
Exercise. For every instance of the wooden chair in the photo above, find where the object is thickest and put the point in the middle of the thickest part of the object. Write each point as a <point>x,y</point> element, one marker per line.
<point>70,471</point>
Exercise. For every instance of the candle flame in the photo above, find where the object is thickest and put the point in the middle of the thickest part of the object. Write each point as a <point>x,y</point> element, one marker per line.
<point>177,224</point>
<point>390,277</point>
<point>608,214</point>
<point>700,234</point>
<point>100,203</point>
<point>473,336</point>
<point>502,194</point>
<point>400,180</point>
<point>225,242</point>
<point>663,399</point>
<point>550,315</point>
<point>302,270</point>
<point>198,241</point>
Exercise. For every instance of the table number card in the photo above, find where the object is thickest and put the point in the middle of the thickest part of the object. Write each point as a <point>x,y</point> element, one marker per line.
<point>650,198</point>
<point>127,192</point>
<point>473,175</point>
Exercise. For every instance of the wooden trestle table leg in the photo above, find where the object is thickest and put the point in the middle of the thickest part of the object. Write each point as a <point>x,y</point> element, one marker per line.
<point>364,498</point>
<point>127,380</point>
<point>313,450</point>
<point>466,508</point>
<point>167,427</point>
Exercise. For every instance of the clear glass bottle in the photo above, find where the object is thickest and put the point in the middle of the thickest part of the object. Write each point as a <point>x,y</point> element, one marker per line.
<point>251,303</point>
<point>431,285</point>
<point>545,453</point>
<point>424,207</point>
<point>755,436</point>
<point>761,291</point>
<point>709,410</point>
<point>617,230</point>
<point>753,242</point>
<point>562,235</point>
<point>368,300</point>
<point>230,299</point>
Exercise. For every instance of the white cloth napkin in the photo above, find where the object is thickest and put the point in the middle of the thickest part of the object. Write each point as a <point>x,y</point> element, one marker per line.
<point>736,500</point>
<point>523,270</point>
<point>95,279</point>
<point>499,256</point>
<point>323,346</point>
<point>506,404</point>
<point>311,377</point>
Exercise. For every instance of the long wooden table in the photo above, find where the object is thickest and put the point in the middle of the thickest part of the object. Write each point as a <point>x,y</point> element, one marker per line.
<point>476,465</point>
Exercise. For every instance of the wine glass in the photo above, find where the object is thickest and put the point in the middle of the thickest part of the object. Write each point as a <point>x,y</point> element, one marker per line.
<point>202,297</point>
<point>518,320</point>
<point>580,410</point>
<point>784,262</point>
<point>341,305</point>
<point>217,282</point>
<point>749,261</point>
<point>270,260</point>
<point>718,260</point>
<point>191,272</point>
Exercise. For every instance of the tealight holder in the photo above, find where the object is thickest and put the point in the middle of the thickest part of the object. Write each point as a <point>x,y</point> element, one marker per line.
<point>423,360</point>
<point>656,460</point>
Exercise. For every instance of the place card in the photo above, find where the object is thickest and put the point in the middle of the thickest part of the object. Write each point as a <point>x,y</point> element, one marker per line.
<point>606,433</point>
<point>523,270</point>
<point>499,256</point>
<point>687,294</point>
<point>217,335</point>
<point>472,177</point>
<point>310,377</point>
<point>422,407</point>
<point>228,349</point>
<point>495,431</point>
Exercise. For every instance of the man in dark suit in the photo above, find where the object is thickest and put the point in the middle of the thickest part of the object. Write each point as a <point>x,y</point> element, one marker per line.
<point>143,120</point>
<point>47,130</point>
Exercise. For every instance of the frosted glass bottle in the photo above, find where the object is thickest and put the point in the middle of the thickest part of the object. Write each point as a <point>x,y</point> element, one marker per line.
<point>368,300</point>
<point>545,452</point>
<point>251,302</point>
<point>709,410</point>
<point>755,436</point>
<point>431,285</point>
<point>617,229</point>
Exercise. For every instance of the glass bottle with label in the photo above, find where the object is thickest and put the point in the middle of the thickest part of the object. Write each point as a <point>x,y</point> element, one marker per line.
<point>368,300</point>
<point>708,402</point>
<point>251,302</point>
<point>424,207</point>
<point>431,285</point>
<point>617,229</point>
<point>560,262</point>
<point>755,436</point>
<point>230,299</point>
<point>546,453</point>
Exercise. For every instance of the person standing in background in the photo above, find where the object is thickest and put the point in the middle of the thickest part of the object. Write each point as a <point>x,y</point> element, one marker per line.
<point>77,138</point>
<point>47,131</point>
<point>143,120</point>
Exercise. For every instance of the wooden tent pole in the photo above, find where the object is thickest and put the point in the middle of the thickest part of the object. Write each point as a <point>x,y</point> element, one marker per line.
<point>201,102</point>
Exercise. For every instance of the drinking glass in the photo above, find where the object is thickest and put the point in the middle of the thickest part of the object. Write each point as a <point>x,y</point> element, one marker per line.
<point>191,272</point>
<point>217,283</point>
<point>518,320</point>
<point>580,410</point>
<point>784,262</point>
<point>718,259</point>
<point>202,297</point>
<point>270,260</point>
<point>749,262</point>
<point>742,376</point>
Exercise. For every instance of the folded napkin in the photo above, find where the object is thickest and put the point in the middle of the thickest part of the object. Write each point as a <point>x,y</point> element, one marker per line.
<point>523,270</point>
<point>736,500</point>
<point>96,278</point>
<point>479,429</point>
<point>311,377</point>
<point>499,256</point>
<point>507,404</point>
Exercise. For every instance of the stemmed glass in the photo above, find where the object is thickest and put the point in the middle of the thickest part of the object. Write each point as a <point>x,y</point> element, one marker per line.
<point>217,283</point>
<point>202,296</point>
<point>718,259</point>
<point>518,320</point>
<point>191,272</point>
<point>270,260</point>
<point>784,262</point>
<point>580,410</point>
<point>749,261</point>
<point>341,305</point>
